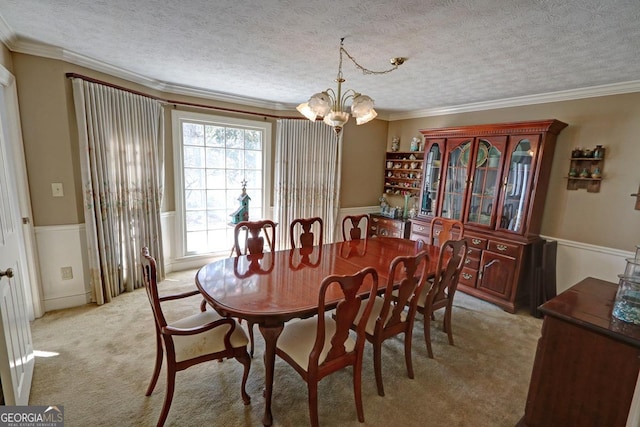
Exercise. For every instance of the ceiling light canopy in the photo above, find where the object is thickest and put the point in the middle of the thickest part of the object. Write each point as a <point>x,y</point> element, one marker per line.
<point>331,105</point>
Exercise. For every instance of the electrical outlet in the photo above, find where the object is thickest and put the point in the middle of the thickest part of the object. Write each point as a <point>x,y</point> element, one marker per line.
<point>67,273</point>
<point>57,189</point>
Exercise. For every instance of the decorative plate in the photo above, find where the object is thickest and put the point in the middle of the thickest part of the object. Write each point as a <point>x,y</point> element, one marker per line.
<point>483,153</point>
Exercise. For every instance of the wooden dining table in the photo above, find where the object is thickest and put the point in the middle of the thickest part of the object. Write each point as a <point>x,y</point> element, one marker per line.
<point>272,288</point>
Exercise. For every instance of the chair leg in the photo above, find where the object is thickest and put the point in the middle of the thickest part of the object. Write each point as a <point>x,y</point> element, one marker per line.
<point>171,382</point>
<point>377,366</point>
<point>312,386</point>
<point>427,333</point>
<point>408,335</point>
<point>446,325</point>
<point>245,359</point>
<point>156,369</point>
<point>253,346</point>
<point>357,388</point>
<point>203,305</point>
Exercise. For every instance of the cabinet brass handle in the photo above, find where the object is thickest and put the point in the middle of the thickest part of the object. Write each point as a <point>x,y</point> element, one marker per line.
<point>437,232</point>
<point>501,247</point>
<point>469,252</point>
<point>467,276</point>
<point>420,228</point>
<point>489,264</point>
<point>476,241</point>
<point>467,261</point>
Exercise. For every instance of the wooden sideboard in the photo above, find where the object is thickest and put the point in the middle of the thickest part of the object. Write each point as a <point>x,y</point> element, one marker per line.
<point>587,361</point>
<point>388,227</point>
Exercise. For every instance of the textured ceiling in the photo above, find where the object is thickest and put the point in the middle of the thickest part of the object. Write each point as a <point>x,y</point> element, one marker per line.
<point>278,53</point>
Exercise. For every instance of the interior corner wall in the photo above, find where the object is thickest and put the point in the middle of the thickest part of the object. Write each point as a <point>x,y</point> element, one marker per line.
<point>5,58</point>
<point>362,169</point>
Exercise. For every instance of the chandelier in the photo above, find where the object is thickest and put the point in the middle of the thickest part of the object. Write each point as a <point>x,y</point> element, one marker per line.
<point>331,105</point>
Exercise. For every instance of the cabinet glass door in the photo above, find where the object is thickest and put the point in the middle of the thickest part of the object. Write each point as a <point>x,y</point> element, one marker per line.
<point>485,185</point>
<point>517,184</point>
<point>431,169</point>
<point>455,186</point>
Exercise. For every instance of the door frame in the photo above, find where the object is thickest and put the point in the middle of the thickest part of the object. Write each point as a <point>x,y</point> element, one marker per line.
<point>33,292</point>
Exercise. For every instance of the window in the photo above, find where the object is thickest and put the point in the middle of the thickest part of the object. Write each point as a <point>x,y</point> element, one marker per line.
<point>214,156</point>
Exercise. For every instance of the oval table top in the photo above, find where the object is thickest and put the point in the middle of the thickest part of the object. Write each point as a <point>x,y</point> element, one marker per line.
<point>274,287</point>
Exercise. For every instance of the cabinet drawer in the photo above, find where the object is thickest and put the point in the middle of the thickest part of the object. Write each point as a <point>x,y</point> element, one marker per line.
<point>472,263</point>
<point>468,277</point>
<point>504,248</point>
<point>474,254</point>
<point>389,231</point>
<point>477,242</point>
<point>385,223</point>
<point>420,229</point>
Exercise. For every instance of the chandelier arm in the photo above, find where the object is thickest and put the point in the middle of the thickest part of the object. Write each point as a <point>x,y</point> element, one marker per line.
<point>363,69</point>
<point>332,95</point>
<point>348,94</point>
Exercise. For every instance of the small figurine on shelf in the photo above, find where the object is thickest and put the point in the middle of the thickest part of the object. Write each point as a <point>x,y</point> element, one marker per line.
<point>576,153</point>
<point>598,153</point>
<point>415,144</point>
<point>596,173</point>
<point>383,203</point>
<point>395,143</point>
<point>585,173</point>
<point>573,173</point>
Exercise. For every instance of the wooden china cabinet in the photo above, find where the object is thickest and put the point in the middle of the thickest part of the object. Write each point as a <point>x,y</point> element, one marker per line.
<point>494,179</point>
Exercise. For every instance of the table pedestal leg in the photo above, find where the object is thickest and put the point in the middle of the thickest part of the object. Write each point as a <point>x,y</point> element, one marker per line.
<point>270,335</point>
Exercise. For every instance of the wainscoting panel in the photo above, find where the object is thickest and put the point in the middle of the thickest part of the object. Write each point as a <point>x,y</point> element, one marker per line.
<point>64,267</point>
<point>575,260</point>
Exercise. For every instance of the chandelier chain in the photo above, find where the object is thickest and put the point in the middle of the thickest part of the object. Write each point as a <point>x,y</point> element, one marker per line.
<point>360,67</point>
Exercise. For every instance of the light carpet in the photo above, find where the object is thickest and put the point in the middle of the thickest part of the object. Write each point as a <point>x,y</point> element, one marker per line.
<point>103,357</point>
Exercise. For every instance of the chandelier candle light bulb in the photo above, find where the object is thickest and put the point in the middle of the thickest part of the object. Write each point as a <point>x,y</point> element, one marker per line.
<point>331,105</point>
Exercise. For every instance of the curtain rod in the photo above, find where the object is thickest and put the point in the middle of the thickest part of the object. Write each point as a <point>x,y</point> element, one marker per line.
<point>169,101</point>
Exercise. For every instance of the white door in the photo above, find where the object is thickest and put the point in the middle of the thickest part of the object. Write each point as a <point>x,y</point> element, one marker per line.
<point>16,347</point>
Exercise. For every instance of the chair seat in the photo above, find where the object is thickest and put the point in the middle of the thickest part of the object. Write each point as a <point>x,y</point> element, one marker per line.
<point>298,337</point>
<point>212,341</point>
<point>375,313</point>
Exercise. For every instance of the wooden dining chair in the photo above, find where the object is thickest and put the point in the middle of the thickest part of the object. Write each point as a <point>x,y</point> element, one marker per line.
<point>351,227</point>
<point>318,346</point>
<point>407,277</point>
<point>444,229</point>
<point>440,293</point>
<point>255,234</point>
<point>301,232</point>
<point>191,340</point>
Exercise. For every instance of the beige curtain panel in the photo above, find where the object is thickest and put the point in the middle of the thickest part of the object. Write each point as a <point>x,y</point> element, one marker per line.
<point>121,138</point>
<point>307,175</point>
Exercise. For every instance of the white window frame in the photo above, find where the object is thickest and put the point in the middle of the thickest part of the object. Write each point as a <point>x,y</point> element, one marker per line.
<point>177,117</point>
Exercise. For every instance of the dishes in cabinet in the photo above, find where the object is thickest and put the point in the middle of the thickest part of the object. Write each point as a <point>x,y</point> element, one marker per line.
<point>483,153</point>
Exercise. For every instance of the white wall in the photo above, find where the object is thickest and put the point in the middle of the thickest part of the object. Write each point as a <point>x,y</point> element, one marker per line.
<point>63,246</point>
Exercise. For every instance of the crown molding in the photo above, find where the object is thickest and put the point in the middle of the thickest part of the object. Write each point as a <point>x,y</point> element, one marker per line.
<point>46,51</point>
<point>7,36</point>
<point>565,95</point>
